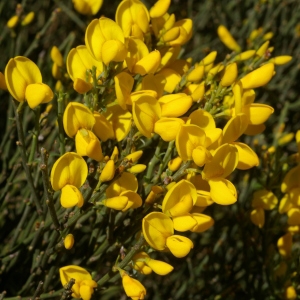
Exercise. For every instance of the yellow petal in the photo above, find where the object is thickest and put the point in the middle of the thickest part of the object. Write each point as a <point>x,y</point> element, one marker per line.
<point>81,86</point>
<point>118,203</point>
<point>159,267</point>
<point>134,200</point>
<point>258,217</point>
<point>168,128</point>
<point>172,79</point>
<point>184,222</point>
<point>291,179</point>
<point>75,272</point>
<point>284,244</point>
<point>113,50</point>
<point>108,171</point>
<point>222,191</point>
<point>247,157</point>
<point>123,86</point>
<point>230,75</point>
<point>37,93</point>
<point>202,119</point>
<point>258,77</point>
<point>258,113</point>
<point>234,128</point>
<point>20,72</point>
<point>103,128</point>
<point>71,169</point>
<point>228,39</point>
<point>69,241</point>
<point>56,56</point>
<point>71,196</point>
<point>294,216</point>
<point>159,8</point>
<point>157,227</point>
<point>264,199</point>
<point>77,116</point>
<point>133,288</point>
<point>204,222</point>
<point>180,246</point>
<point>148,64</point>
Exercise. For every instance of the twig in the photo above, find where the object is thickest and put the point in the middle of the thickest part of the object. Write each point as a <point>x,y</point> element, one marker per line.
<point>38,291</point>
<point>18,113</point>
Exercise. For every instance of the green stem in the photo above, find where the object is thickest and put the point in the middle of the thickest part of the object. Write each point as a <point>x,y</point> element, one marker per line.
<point>61,132</point>
<point>42,296</point>
<point>38,291</point>
<point>48,189</point>
<point>124,262</point>
<point>21,143</point>
<point>35,134</point>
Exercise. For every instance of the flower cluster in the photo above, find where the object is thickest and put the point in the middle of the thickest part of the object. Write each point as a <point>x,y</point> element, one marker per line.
<point>133,87</point>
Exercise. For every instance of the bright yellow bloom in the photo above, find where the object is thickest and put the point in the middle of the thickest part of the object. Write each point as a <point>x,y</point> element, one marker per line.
<point>123,86</point>
<point>174,163</point>
<point>180,246</point>
<point>133,288</point>
<point>77,116</point>
<point>180,199</point>
<point>87,7</point>
<point>135,156</point>
<point>258,77</point>
<point>28,19</point>
<point>230,75</point>
<point>24,82</point>
<point>159,8</point>
<point>196,74</point>
<point>69,241</point>
<point>79,63</point>
<point>264,199</point>
<point>133,17</point>
<point>148,64</point>
<point>281,60</point>
<point>146,111</point>
<point>126,182</point>
<point>284,244</point>
<point>119,119</point>
<point>138,168</point>
<point>171,79</point>
<point>105,40</point>
<point>103,128</point>
<point>290,293</point>
<point>87,144</point>
<point>108,171</point>
<point>261,51</point>
<point>117,203</point>
<point>12,22</point>
<point>68,174</point>
<point>84,284</point>
<point>154,82</point>
<point>56,56</point>
<point>227,39</point>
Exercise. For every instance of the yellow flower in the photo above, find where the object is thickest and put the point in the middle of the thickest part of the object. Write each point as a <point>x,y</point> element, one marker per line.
<point>77,116</point>
<point>123,86</point>
<point>125,182</point>
<point>230,75</point>
<point>264,199</point>
<point>174,163</point>
<point>284,244</point>
<point>103,128</point>
<point>69,241</point>
<point>159,8</point>
<point>227,39</point>
<point>68,174</point>
<point>24,82</point>
<point>12,22</point>
<point>79,62</point>
<point>105,40</point>
<point>28,19</point>
<point>180,199</point>
<point>175,105</point>
<point>144,264</point>
<point>133,288</point>
<point>84,284</point>
<point>56,56</point>
<point>190,144</point>
<point>119,119</point>
<point>258,217</point>
<point>168,128</point>
<point>108,171</point>
<point>290,293</point>
<point>133,17</point>
<point>148,64</point>
<point>171,79</point>
<point>87,144</point>
<point>180,246</point>
<point>258,77</point>
<point>87,7</point>
<point>146,111</point>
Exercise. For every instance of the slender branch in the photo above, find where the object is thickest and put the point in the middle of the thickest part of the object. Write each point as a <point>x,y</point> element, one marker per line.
<point>18,113</point>
<point>48,189</point>
<point>61,132</point>
<point>38,291</point>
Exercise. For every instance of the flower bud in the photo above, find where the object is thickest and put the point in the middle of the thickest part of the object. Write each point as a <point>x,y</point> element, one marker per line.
<point>69,241</point>
<point>108,171</point>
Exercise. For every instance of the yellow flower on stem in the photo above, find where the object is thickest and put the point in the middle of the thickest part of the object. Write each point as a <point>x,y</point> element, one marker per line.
<point>103,128</point>
<point>87,7</point>
<point>123,86</point>
<point>264,199</point>
<point>190,144</point>
<point>146,111</point>
<point>105,40</point>
<point>180,199</point>
<point>68,174</point>
<point>148,64</point>
<point>79,65</point>
<point>84,284</point>
<point>284,244</point>
<point>145,265</point>
<point>227,39</point>
<point>133,288</point>
<point>24,82</point>
<point>168,128</point>
<point>158,230</point>
<point>159,8</point>
<point>69,241</point>
<point>133,17</point>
